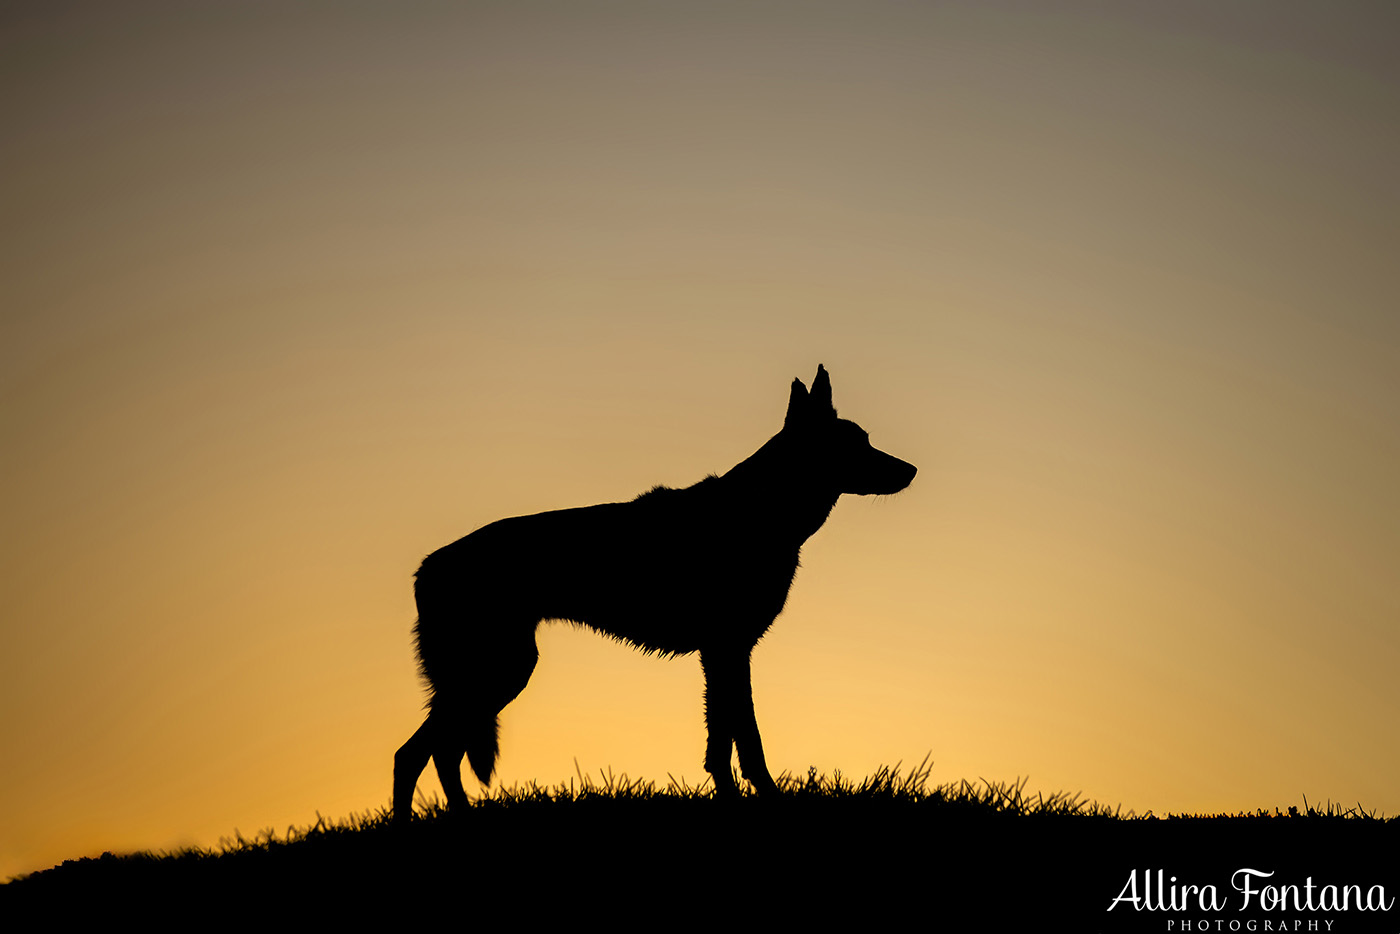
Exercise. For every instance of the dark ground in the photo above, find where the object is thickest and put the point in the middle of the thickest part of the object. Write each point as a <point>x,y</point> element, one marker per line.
<point>971,859</point>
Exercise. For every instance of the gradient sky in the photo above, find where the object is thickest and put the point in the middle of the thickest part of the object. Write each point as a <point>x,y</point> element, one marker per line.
<point>292,295</point>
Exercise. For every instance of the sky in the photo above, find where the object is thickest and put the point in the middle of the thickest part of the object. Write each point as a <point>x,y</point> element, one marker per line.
<point>293,295</point>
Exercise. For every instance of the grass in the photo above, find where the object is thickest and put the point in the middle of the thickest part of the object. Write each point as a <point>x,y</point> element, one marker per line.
<point>868,849</point>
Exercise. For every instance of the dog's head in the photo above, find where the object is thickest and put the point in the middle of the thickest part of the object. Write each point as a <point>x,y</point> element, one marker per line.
<point>838,451</point>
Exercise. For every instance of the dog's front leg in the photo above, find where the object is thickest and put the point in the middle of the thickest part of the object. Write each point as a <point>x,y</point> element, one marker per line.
<point>719,721</point>
<point>729,717</point>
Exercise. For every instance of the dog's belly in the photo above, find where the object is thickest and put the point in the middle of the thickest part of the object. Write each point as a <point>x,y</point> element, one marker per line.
<point>678,614</point>
<point>669,599</point>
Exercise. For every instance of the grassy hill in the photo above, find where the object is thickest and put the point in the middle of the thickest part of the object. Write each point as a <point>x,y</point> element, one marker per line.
<point>890,849</point>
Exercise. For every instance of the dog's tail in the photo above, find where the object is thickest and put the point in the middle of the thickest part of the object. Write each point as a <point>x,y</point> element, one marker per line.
<point>474,660</point>
<point>465,700</point>
<point>483,740</point>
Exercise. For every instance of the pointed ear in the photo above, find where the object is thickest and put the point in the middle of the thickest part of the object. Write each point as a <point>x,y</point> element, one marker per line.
<point>821,394</point>
<point>797,403</point>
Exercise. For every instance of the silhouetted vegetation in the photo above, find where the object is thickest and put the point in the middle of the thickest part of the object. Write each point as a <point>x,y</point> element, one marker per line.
<point>888,847</point>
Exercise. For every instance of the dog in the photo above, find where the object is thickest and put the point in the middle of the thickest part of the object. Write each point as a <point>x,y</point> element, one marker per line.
<point>703,569</point>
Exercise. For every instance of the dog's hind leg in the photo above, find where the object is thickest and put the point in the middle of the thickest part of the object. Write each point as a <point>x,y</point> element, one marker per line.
<point>729,717</point>
<point>470,730</point>
<point>409,763</point>
<point>438,738</point>
<point>447,756</point>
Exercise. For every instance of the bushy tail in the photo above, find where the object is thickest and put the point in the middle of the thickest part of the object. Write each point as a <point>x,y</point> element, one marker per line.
<point>483,736</point>
<point>476,650</point>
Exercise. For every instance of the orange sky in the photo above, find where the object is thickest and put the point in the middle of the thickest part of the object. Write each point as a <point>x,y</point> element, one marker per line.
<point>291,297</point>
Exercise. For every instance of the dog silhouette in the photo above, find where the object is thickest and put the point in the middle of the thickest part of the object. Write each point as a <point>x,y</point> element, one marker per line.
<point>703,569</point>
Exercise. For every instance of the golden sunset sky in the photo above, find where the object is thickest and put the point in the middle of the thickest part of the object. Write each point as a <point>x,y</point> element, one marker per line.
<point>292,295</point>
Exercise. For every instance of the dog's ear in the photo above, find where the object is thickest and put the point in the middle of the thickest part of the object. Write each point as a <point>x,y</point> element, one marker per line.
<point>797,403</point>
<point>821,395</point>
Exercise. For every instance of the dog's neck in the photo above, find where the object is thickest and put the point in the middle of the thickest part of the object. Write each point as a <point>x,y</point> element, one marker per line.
<point>775,487</point>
